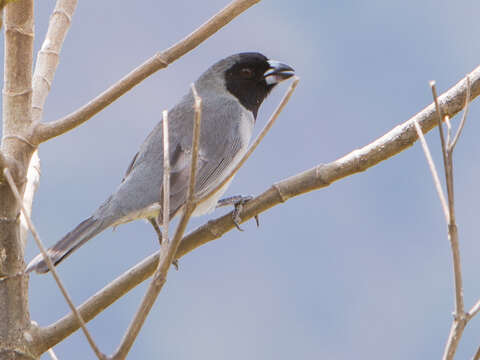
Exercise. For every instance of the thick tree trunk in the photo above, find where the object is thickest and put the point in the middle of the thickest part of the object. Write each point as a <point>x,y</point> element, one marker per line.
<point>17,99</point>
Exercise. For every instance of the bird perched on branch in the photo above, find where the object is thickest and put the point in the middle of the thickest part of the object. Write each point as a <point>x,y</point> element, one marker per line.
<point>232,91</point>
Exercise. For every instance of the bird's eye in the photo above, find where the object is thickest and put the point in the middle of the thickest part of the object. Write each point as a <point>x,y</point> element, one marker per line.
<point>247,73</point>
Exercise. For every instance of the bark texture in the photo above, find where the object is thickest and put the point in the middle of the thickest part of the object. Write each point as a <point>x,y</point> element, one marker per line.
<point>17,116</point>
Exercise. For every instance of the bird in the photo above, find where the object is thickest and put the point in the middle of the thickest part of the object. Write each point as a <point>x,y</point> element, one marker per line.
<point>232,91</point>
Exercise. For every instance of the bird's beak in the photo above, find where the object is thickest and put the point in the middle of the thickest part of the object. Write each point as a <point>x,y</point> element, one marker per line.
<point>277,72</point>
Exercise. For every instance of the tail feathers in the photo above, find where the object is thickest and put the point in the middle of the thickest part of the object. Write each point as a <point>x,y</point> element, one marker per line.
<point>68,244</point>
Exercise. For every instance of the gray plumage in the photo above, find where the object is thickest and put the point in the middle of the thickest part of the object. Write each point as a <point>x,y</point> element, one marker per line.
<point>226,128</point>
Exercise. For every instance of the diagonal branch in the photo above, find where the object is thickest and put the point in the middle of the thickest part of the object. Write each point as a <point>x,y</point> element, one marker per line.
<point>50,265</point>
<point>45,131</point>
<point>398,139</point>
<point>169,249</point>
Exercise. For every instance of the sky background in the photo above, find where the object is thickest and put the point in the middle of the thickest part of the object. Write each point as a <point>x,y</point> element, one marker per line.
<point>361,269</point>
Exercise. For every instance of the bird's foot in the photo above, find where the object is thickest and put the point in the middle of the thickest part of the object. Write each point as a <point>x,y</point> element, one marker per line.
<point>175,264</point>
<point>237,201</point>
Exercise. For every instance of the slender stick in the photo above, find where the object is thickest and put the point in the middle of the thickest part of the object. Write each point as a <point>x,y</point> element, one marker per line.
<point>464,116</point>
<point>474,310</point>
<point>168,251</point>
<point>45,131</point>
<point>433,170</point>
<point>460,318</point>
<point>477,354</point>
<point>50,265</point>
<point>439,122</point>
<point>52,354</point>
<point>391,143</point>
<point>166,180</point>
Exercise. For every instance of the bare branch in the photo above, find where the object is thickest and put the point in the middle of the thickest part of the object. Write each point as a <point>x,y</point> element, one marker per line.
<point>16,118</point>
<point>168,251</point>
<point>439,120</point>
<point>449,129</point>
<point>433,170</point>
<point>477,354</point>
<point>460,318</point>
<point>52,354</point>
<point>46,131</point>
<point>464,116</point>
<point>398,139</point>
<point>50,265</point>
<point>474,310</point>
<point>47,58</point>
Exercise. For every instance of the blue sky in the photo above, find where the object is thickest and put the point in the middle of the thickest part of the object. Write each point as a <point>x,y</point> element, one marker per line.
<point>360,269</point>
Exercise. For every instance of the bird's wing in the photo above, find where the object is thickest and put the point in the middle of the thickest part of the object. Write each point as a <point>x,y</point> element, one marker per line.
<point>220,141</point>
<point>130,166</point>
<point>211,168</point>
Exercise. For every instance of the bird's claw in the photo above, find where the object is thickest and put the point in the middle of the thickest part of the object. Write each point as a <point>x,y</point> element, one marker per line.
<point>175,264</point>
<point>236,215</point>
<point>237,201</point>
<point>238,209</point>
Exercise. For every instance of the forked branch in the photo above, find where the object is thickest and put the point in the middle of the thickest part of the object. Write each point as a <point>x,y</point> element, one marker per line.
<point>460,318</point>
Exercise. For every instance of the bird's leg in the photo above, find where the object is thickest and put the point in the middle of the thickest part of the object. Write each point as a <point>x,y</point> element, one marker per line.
<point>154,223</point>
<point>237,201</point>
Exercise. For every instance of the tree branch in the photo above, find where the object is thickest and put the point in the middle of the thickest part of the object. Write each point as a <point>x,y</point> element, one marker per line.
<point>47,58</point>
<point>49,262</point>
<point>398,139</point>
<point>169,249</point>
<point>45,131</point>
<point>47,62</point>
<point>16,117</point>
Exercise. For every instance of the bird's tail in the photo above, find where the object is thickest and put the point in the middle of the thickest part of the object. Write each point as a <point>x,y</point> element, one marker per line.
<point>68,244</point>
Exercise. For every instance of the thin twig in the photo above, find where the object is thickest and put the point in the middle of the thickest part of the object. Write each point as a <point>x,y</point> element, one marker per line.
<point>45,131</point>
<point>167,253</point>
<point>257,141</point>
<point>166,180</point>
<point>449,129</point>
<point>474,310</point>
<point>439,122</point>
<point>433,170</point>
<point>464,116</point>
<point>400,138</point>
<point>477,354</point>
<point>50,265</point>
<point>460,319</point>
<point>52,354</point>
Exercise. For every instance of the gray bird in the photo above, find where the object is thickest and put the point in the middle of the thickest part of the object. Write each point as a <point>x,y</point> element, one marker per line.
<point>232,91</point>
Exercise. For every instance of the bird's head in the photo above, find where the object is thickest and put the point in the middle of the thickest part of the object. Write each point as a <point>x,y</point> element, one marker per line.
<point>249,77</point>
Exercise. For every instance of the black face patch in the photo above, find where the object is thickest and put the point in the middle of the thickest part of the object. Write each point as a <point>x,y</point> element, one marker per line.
<point>246,81</point>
